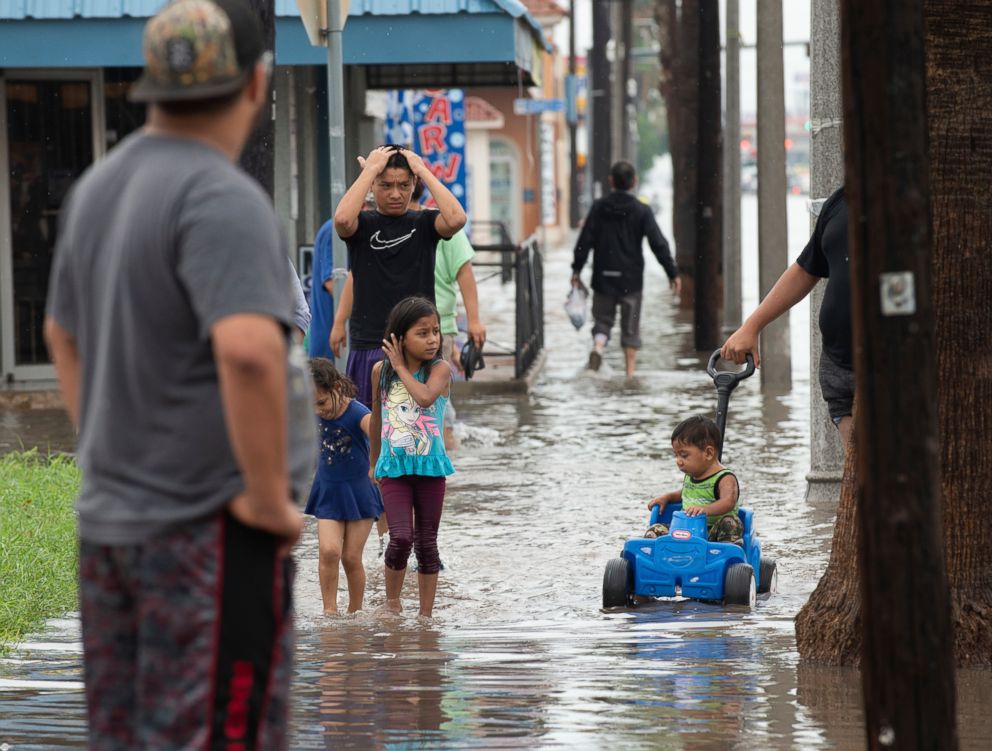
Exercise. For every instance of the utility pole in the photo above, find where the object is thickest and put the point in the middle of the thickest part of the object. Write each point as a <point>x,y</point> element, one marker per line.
<point>335,133</point>
<point>601,141</point>
<point>622,86</point>
<point>907,664</point>
<point>258,156</point>
<point>573,147</point>
<point>773,230</point>
<point>732,173</point>
<point>826,176</point>
<point>709,230</point>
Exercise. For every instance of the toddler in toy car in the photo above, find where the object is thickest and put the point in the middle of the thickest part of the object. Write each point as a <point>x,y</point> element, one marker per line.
<point>708,488</point>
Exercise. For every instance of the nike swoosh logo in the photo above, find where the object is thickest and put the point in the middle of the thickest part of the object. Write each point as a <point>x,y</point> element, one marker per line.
<point>378,243</point>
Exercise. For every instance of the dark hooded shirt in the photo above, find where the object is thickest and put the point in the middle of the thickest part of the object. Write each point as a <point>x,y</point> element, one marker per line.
<point>614,232</point>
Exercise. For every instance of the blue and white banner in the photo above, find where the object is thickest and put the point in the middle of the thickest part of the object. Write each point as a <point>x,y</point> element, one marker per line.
<point>432,123</point>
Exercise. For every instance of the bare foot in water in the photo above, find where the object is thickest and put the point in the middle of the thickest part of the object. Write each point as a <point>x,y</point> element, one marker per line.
<point>331,613</point>
<point>392,606</point>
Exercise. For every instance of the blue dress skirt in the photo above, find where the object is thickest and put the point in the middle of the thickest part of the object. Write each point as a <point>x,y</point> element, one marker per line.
<point>341,488</point>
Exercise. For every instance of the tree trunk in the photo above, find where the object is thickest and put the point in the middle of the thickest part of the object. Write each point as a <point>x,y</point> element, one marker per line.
<point>679,35</point>
<point>959,104</point>
<point>709,170</point>
<point>959,99</point>
<point>828,627</point>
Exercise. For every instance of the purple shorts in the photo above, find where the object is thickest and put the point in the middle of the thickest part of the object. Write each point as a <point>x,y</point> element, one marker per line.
<point>359,370</point>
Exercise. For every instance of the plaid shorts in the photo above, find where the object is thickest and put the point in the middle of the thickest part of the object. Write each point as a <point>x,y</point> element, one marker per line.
<point>187,639</point>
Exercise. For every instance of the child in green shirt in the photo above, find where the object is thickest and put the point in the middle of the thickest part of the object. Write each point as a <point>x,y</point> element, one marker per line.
<point>708,488</point>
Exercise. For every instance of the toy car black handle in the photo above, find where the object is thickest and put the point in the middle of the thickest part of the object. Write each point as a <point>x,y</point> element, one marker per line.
<point>726,382</point>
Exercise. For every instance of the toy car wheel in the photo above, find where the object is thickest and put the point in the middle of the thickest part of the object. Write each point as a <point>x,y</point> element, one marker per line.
<point>768,578</point>
<point>738,585</point>
<point>617,588</point>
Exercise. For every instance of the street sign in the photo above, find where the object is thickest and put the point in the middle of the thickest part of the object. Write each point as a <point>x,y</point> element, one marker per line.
<point>537,106</point>
<point>313,13</point>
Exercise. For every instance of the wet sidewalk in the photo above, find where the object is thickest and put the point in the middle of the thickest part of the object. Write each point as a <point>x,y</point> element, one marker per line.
<point>548,486</point>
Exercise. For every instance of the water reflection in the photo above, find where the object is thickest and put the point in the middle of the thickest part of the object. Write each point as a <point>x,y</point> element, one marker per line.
<point>548,487</point>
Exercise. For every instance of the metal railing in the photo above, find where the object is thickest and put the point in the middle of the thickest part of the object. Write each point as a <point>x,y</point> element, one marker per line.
<point>494,237</point>
<point>529,267</point>
<point>524,262</point>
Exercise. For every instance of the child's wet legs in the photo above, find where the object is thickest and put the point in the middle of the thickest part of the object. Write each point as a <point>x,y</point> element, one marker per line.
<point>356,533</point>
<point>428,591</point>
<point>330,538</point>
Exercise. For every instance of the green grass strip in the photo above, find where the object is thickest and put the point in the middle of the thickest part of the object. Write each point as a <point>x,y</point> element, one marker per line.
<point>38,549</point>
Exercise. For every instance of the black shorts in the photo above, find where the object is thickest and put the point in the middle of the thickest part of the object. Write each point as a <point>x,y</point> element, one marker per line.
<point>604,311</point>
<point>837,385</point>
<point>187,639</point>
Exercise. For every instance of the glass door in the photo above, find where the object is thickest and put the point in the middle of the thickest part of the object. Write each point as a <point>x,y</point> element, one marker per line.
<point>51,130</point>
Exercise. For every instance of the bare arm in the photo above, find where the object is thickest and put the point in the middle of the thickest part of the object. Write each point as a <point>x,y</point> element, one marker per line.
<point>351,204</point>
<point>65,356</point>
<point>794,284</point>
<point>452,217</point>
<point>364,424</point>
<point>664,499</point>
<point>339,331</point>
<point>250,352</point>
<point>470,296</point>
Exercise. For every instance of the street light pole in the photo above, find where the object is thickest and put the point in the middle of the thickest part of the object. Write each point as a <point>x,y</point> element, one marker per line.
<point>335,131</point>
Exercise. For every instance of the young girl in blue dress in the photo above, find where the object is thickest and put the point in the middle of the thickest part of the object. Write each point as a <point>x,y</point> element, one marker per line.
<point>409,393</point>
<point>343,497</point>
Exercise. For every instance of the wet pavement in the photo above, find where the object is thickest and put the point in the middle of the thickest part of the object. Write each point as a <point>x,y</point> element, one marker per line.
<point>548,487</point>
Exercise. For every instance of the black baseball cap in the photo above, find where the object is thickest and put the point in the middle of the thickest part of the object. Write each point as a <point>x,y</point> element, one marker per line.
<point>198,49</point>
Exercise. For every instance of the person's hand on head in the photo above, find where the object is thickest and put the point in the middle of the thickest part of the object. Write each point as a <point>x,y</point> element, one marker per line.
<point>393,348</point>
<point>417,165</point>
<point>376,160</point>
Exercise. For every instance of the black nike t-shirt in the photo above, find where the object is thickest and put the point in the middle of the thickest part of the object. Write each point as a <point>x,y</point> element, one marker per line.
<point>826,256</point>
<point>391,257</point>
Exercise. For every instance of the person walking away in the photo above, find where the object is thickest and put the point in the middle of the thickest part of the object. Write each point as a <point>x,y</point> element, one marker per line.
<point>391,252</point>
<point>343,497</point>
<point>452,265</point>
<point>410,389</point>
<point>168,320</point>
<point>708,489</point>
<point>614,232</point>
<point>825,256</point>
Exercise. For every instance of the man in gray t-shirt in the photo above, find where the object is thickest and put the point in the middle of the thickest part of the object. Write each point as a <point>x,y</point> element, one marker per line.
<point>169,312</point>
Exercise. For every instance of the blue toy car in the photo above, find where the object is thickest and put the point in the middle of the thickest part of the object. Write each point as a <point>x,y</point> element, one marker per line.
<point>684,562</point>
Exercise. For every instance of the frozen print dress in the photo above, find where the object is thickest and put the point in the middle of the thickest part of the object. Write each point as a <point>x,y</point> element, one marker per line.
<point>412,436</point>
<point>341,488</point>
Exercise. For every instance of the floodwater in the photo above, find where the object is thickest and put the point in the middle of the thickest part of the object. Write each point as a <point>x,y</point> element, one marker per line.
<point>520,655</point>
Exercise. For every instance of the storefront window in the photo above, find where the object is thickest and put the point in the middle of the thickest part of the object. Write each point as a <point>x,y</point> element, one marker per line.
<point>50,143</point>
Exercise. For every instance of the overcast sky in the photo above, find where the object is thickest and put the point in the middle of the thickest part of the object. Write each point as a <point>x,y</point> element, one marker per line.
<point>795,28</point>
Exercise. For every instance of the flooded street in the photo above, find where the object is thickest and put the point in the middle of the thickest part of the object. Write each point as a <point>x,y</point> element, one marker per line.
<point>548,487</point>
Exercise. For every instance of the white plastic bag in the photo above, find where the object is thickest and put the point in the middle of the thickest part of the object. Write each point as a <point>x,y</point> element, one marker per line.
<point>575,306</point>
